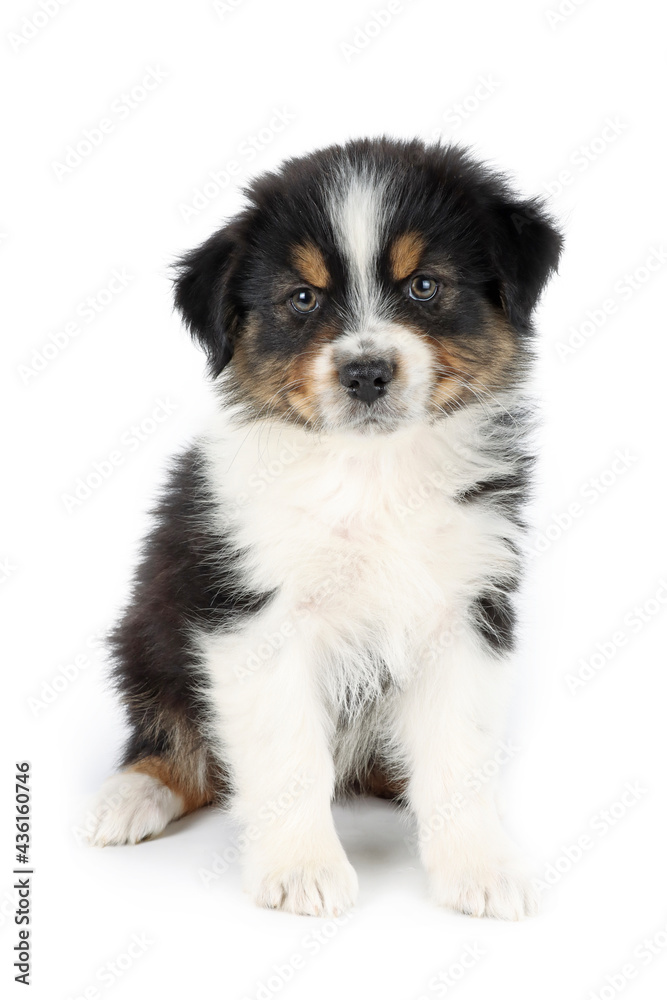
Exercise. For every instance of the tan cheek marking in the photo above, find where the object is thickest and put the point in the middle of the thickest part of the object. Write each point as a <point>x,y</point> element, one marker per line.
<point>260,380</point>
<point>276,386</point>
<point>405,254</point>
<point>310,263</point>
<point>469,372</point>
<point>304,395</point>
<point>257,378</point>
<point>160,768</point>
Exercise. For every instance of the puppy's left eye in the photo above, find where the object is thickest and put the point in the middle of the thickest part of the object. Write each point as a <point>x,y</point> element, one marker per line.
<point>422,288</point>
<point>304,300</point>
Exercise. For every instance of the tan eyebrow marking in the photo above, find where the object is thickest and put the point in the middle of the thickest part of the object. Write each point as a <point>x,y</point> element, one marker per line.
<point>311,265</point>
<point>405,254</point>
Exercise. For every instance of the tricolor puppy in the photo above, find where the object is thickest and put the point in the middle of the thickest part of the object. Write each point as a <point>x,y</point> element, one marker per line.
<point>324,604</point>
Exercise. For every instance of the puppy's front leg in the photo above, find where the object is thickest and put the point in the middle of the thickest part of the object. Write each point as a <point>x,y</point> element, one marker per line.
<point>451,723</point>
<point>276,735</point>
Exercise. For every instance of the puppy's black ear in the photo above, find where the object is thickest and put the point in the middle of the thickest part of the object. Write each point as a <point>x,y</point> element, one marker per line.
<point>527,248</point>
<point>201,293</point>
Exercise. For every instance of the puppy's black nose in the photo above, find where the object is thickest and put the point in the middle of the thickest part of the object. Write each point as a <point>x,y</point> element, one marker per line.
<point>366,380</point>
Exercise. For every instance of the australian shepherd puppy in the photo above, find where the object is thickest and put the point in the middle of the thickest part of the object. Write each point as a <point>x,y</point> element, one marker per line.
<point>325,602</point>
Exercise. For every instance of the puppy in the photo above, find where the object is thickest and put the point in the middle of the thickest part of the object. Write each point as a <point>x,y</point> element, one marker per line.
<point>325,602</point>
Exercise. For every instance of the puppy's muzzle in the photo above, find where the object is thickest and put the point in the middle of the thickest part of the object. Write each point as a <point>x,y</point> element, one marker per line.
<point>366,379</point>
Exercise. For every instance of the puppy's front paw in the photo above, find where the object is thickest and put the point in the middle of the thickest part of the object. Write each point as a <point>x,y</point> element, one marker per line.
<point>313,888</point>
<point>502,889</point>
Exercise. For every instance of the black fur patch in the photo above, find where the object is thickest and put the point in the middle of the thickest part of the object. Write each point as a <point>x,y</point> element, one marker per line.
<point>508,492</point>
<point>495,619</point>
<point>188,577</point>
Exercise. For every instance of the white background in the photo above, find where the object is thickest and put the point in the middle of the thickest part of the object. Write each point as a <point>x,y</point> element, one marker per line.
<point>552,82</point>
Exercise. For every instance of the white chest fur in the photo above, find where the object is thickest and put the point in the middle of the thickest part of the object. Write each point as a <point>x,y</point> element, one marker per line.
<point>362,535</point>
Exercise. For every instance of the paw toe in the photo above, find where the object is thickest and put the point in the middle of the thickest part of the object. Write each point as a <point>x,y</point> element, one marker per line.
<point>311,889</point>
<point>503,892</point>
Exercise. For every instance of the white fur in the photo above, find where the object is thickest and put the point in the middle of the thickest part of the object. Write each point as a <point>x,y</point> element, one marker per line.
<point>367,551</point>
<point>356,203</point>
<point>375,338</point>
<point>130,807</point>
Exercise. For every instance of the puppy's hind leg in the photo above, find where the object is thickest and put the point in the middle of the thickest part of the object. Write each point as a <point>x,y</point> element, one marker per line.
<point>151,790</point>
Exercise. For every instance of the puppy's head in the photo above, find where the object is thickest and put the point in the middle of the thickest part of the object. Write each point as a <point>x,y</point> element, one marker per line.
<point>370,285</point>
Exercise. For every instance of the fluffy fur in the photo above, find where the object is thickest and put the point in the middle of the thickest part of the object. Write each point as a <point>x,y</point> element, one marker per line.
<point>325,605</point>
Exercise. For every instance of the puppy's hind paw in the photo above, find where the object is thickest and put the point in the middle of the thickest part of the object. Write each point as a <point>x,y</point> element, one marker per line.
<point>131,807</point>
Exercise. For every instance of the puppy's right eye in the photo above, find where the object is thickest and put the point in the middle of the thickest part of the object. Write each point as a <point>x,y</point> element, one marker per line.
<point>422,288</point>
<point>304,300</point>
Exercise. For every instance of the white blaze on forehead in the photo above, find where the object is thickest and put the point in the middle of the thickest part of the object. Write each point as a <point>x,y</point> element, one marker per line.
<point>357,211</point>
